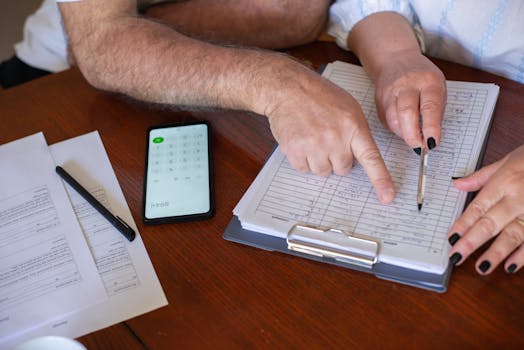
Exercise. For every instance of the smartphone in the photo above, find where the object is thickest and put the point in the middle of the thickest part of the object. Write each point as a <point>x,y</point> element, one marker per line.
<point>178,181</point>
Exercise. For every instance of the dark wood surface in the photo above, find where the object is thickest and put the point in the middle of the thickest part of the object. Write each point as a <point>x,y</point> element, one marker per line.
<point>224,295</point>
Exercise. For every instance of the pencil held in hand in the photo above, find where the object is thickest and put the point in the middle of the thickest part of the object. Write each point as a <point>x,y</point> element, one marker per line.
<point>422,176</point>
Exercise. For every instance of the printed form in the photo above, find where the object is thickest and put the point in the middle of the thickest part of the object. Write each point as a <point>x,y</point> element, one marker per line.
<point>46,269</point>
<point>130,284</point>
<point>281,197</point>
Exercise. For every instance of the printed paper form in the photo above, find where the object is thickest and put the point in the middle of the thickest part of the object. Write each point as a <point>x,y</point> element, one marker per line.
<point>46,269</point>
<point>131,284</point>
<point>281,197</point>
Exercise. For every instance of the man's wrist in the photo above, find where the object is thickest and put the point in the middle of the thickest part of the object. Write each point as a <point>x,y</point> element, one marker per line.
<point>278,76</point>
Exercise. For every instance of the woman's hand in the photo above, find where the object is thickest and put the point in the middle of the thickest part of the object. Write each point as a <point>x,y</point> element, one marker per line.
<point>497,211</point>
<point>410,91</point>
<point>410,88</point>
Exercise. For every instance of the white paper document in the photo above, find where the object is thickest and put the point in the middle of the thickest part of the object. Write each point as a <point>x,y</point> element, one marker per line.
<point>130,284</point>
<point>280,197</point>
<point>46,269</point>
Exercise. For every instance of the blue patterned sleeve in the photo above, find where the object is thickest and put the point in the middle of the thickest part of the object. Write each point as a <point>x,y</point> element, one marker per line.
<point>344,14</point>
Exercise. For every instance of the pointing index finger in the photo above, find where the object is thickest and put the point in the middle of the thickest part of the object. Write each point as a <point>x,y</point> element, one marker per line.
<point>368,154</point>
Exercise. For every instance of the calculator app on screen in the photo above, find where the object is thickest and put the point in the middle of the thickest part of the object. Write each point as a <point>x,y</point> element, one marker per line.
<point>178,173</point>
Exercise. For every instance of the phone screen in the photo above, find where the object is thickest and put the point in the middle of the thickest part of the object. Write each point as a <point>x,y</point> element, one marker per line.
<point>178,182</point>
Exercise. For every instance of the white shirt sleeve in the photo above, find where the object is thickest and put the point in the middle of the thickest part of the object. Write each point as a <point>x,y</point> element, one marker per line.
<point>44,45</point>
<point>344,14</point>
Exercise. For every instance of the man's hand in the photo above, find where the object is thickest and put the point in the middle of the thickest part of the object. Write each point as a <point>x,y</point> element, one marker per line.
<point>321,128</point>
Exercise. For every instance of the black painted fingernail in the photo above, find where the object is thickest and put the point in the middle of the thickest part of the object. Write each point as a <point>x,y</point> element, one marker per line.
<point>484,266</point>
<point>431,143</point>
<point>454,238</point>
<point>417,150</point>
<point>456,177</point>
<point>512,268</point>
<point>455,258</point>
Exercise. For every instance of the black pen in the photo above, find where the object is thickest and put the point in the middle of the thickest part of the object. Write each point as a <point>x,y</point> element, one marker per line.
<point>116,221</point>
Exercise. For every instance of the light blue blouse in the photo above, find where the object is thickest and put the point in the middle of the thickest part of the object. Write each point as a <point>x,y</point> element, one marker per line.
<point>486,34</point>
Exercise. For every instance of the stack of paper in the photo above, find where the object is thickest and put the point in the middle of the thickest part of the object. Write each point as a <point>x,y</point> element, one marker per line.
<point>64,269</point>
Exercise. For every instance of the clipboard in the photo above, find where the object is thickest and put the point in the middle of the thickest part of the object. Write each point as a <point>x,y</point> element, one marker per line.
<point>345,256</point>
<point>343,249</point>
<point>358,252</point>
<point>367,249</point>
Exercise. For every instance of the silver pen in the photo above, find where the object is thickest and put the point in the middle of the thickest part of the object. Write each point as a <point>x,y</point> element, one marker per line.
<point>422,176</point>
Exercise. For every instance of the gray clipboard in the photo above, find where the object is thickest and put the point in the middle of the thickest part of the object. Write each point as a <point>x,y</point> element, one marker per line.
<point>438,283</point>
<point>429,281</point>
<point>434,282</point>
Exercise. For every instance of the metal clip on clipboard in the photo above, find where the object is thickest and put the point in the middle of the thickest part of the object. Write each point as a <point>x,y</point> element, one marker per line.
<point>332,243</point>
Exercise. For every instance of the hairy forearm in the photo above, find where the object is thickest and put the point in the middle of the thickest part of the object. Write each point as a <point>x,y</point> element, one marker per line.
<point>378,36</point>
<point>151,62</point>
<point>263,23</point>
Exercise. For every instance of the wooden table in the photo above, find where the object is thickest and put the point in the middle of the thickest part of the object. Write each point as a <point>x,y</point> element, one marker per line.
<point>224,295</point>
